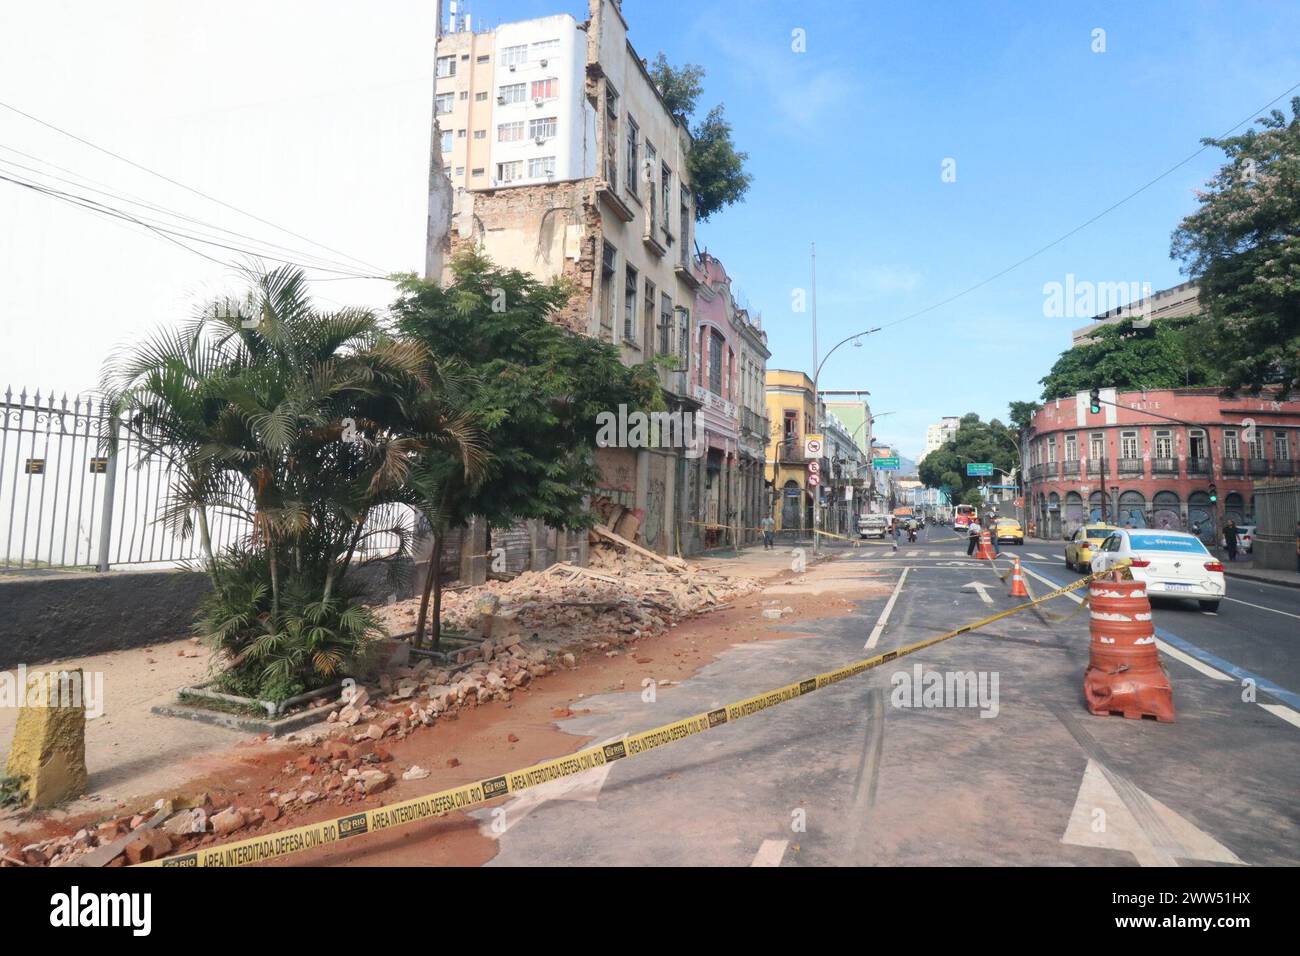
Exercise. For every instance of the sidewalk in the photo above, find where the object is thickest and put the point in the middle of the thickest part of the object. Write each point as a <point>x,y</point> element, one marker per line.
<point>1246,571</point>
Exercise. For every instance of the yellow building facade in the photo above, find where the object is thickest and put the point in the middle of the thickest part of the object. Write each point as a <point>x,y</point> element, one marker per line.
<point>792,412</point>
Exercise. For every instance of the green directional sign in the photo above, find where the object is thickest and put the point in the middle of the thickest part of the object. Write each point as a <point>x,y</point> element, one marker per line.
<point>886,464</point>
<point>979,469</point>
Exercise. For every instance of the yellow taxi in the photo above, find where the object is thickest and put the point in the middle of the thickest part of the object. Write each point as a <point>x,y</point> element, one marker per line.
<point>1080,546</point>
<point>1009,530</point>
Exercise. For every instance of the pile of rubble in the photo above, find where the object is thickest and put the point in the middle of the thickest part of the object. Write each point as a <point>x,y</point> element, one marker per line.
<point>514,632</point>
<point>625,590</point>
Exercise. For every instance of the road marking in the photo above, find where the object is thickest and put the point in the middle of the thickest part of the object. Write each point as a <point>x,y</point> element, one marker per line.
<point>1263,608</point>
<point>934,554</point>
<point>1203,657</point>
<point>770,853</point>
<point>1190,661</point>
<point>1035,554</point>
<point>980,587</point>
<point>884,615</point>
<point>1286,713</point>
<point>913,554</point>
<point>1165,648</point>
<point>1141,825</point>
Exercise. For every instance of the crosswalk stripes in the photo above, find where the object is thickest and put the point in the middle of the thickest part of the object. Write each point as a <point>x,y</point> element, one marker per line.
<point>1034,554</point>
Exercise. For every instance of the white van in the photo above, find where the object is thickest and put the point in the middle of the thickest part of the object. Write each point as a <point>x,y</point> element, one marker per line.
<point>873,526</point>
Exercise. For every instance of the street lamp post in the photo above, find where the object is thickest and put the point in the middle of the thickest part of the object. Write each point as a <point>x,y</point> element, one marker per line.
<point>817,404</point>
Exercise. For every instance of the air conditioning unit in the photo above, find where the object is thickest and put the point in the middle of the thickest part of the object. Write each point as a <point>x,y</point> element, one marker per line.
<point>512,67</point>
<point>538,101</point>
<point>501,99</point>
<point>543,62</point>
<point>539,140</point>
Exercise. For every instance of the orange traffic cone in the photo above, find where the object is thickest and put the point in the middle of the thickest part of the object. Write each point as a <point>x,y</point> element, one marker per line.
<point>1018,588</point>
<point>1125,675</point>
<point>986,547</point>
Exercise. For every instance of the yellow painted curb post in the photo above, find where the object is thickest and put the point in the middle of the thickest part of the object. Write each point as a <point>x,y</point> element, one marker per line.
<point>49,747</point>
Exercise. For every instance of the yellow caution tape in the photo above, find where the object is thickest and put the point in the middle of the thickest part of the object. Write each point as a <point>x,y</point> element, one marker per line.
<point>272,846</point>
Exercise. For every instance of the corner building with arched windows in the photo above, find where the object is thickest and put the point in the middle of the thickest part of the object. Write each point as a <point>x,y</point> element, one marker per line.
<point>1130,463</point>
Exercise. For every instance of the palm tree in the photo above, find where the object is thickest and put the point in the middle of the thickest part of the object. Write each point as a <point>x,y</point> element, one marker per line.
<point>304,423</point>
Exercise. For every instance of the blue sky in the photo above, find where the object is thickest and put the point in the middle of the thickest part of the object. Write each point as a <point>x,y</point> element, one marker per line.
<point>315,116</point>
<point>846,142</point>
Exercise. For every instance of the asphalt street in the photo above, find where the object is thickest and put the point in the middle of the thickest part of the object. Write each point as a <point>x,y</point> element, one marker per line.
<point>878,770</point>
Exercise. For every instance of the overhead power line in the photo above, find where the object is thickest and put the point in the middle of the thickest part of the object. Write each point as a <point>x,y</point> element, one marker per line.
<point>1088,222</point>
<point>187,188</point>
<point>172,235</point>
<point>308,260</point>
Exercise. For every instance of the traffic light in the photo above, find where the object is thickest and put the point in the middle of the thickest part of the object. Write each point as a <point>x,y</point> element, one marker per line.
<point>1094,399</point>
<point>1214,495</point>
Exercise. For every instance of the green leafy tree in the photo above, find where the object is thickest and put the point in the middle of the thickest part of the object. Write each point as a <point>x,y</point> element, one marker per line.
<point>534,389</point>
<point>717,168</point>
<point>1242,246</point>
<point>295,421</point>
<point>1169,353</point>
<point>975,441</point>
<point>680,87</point>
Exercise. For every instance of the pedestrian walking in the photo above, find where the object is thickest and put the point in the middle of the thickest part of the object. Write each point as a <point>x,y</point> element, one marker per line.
<point>897,531</point>
<point>1230,539</point>
<point>769,532</point>
<point>973,536</point>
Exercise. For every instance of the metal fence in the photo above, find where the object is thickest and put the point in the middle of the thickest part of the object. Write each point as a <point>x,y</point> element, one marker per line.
<point>68,501</point>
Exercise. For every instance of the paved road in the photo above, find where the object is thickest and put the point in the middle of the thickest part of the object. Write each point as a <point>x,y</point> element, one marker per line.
<point>863,774</point>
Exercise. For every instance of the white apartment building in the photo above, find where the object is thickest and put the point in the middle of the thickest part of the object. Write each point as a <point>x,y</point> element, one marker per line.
<point>937,434</point>
<point>566,162</point>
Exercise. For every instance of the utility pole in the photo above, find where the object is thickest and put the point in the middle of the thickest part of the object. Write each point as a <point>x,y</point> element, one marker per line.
<point>817,408</point>
<point>437,245</point>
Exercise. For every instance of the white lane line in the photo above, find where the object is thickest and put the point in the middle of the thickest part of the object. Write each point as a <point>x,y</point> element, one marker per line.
<point>1051,584</point>
<point>1286,713</point>
<point>770,853</point>
<point>1163,647</point>
<point>884,615</point>
<point>1190,661</point>
<point>913,554</point>
<point>1263,608</point>
<point>1035,554</point>
<point>934,554</point>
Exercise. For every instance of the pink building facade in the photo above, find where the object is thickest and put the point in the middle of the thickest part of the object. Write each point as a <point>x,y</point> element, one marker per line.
<point>1150,459</point>
<point>725,489</point>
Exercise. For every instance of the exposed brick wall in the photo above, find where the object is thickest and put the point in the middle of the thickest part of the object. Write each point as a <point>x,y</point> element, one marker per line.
<point>525,227</point>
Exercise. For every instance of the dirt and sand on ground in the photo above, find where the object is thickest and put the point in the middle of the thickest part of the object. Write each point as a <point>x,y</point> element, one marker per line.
<point>221,769</point>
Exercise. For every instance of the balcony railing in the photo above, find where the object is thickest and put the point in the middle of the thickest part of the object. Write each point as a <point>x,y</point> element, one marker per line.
<point>1283,466</point>
<point>1259,466</point>
<point>1234,466</point>
<point>1070,469</point>
<point>1130,466</point>
<point>753,422</point>
<point>1198,466</point>
<point>1164,466</point>
<point>790,450</point>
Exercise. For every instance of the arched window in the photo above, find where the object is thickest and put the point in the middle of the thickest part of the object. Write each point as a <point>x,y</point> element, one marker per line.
<point>1234,507</point>
<point>1165,512</point>
<point>1132,509</point>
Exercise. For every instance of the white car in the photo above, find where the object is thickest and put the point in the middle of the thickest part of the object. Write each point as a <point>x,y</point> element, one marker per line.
<point>1246,538</point>
<point>1171,563</point>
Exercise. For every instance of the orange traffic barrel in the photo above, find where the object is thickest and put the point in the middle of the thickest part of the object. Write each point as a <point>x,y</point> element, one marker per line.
<point>986,546</point>
<point>1125,675</point>
<point>1018,588</point>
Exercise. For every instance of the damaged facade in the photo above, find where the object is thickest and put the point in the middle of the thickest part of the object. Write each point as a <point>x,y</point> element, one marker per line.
<point>565,162</point>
